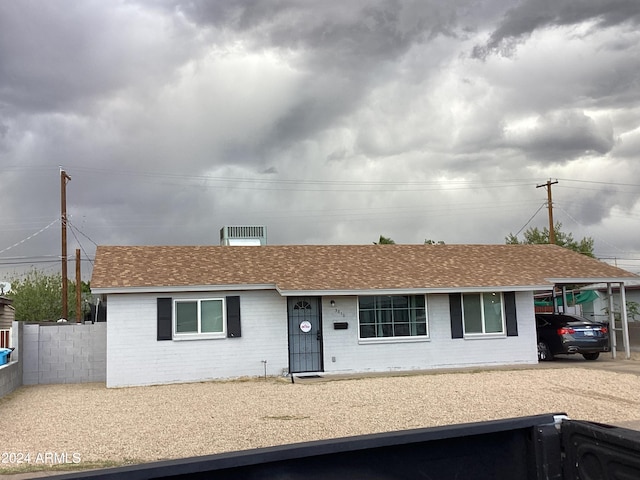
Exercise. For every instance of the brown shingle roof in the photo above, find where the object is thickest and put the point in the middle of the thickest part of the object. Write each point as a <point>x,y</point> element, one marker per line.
<point>345,267</point>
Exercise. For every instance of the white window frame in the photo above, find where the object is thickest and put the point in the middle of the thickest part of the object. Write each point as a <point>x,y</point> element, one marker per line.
<point>398,339</point>
<point>198,335</point>
<point>484,333</point>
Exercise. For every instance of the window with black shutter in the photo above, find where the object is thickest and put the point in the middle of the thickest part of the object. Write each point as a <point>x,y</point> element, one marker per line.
<point>233,317</point>
<point>165,307</point>
<point>455,311</point>
<point>510,314</point>
<point>486,314</point>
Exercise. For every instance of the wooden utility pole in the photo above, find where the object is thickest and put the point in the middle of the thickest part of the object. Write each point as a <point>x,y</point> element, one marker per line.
<point>63,217</point>
<point>552,233</point>
<point>78,288</point>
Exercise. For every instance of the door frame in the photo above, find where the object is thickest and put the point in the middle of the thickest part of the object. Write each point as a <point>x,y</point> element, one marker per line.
<point>320,332</point>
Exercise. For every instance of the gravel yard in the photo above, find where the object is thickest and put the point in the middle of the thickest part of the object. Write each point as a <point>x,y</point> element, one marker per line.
<point>150,423</point>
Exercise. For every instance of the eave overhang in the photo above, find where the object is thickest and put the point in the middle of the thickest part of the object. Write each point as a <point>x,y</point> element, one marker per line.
<point>179,289</point>
<point>313,292</point>
<point>588,280</point>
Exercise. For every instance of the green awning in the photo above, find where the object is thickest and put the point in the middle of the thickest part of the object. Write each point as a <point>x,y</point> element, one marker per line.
<point>582,297</point>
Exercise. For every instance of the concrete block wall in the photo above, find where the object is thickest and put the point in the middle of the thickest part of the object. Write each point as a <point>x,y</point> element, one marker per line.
<point>11,373</point>
<point>64,353</point>
<point>10,378</point>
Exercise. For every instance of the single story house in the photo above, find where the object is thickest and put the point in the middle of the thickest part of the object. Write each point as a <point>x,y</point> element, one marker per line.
<point>599,307</point>
<point>7,316</point>
<point>195,313</point>
<point>7,312</point>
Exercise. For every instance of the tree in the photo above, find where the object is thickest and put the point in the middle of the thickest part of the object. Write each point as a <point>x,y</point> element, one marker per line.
<point>536,236</point>
<point>38,297</point>
<point>384,241</point>
<point>633,310</point>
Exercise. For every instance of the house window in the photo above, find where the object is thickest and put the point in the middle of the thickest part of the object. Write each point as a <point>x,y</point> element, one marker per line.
<point>200,317</point>
<point>386,316</point>
<point>302,305</point>
<point>482,313</point>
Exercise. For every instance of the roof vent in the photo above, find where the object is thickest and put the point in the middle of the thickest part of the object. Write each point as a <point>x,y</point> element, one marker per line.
<point>243,235</point>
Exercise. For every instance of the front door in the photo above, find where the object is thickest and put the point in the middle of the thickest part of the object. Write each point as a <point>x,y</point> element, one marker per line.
<point>305,334</point>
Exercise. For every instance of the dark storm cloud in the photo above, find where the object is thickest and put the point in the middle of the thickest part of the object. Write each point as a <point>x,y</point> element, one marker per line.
<point>591,206</point>
<point>329,121</point>
<point>343,48</point>
<point>562,136</point>
<point>530,15</point>
<point>66,58</point>
<point>342,32</point>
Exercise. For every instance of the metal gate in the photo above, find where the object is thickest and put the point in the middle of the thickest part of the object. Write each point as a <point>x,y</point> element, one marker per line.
<point>305,334</point>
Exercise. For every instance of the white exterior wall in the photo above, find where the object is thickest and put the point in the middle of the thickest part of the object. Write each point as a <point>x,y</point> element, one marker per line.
<point>343,353</point>
<point>135,357</point>
<point>597,310</point>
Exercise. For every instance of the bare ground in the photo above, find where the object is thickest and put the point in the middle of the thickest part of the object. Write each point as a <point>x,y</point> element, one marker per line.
<point>113,426</point>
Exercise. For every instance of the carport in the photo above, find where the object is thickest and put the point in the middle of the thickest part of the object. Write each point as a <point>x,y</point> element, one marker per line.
<point>562,284</point>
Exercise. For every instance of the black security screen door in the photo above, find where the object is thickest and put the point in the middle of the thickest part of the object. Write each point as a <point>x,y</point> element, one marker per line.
<point>305,335</point>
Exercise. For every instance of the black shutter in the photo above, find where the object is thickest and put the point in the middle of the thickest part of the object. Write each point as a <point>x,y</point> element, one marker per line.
<point>510,313</point>
<point>233,317</point>
<point>455,311</point>
<point>164,318</point>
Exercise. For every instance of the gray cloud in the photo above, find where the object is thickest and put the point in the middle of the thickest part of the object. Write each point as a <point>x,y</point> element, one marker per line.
<point>329,122</point>
<point>530,15</point>
<point>564,135</point>
<point>61,59</point>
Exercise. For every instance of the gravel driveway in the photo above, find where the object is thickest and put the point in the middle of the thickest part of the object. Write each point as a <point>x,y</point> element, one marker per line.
<point>150,423</point>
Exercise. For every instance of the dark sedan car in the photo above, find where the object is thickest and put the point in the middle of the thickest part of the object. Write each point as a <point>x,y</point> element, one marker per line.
<point>568,334</point>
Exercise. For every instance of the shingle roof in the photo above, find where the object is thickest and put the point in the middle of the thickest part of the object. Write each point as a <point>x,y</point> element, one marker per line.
<point>345,267</point>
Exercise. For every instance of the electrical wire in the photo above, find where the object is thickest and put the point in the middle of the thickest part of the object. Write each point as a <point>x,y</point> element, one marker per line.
<point>81,233</point>
<point>30,236</point>
<point>532,217</point>
<point>81,247</point>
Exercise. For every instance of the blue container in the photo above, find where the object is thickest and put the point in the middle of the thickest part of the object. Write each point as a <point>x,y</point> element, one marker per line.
<point>4,355</point>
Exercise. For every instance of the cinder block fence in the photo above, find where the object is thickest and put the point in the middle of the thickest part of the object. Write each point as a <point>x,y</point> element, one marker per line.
<point>64,353</point>
<point>55,353</point>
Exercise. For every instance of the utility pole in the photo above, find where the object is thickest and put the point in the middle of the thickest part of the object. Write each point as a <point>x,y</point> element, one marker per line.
<point>552,233</point>
<point>78,288</point>
<point>64,178</point>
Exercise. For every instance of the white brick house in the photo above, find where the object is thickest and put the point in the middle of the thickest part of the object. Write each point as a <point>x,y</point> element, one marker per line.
<point>186,314</point>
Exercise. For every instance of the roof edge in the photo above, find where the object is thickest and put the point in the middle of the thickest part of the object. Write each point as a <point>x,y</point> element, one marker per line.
<point>413,291</point>
<point>591,280</point>
<point>179,288</point>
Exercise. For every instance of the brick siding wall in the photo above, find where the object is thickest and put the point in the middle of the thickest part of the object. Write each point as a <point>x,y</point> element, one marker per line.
<point>136,357</point>
<point>344,354</point>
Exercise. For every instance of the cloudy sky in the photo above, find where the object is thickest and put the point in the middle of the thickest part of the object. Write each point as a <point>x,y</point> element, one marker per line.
<point>329,122</point>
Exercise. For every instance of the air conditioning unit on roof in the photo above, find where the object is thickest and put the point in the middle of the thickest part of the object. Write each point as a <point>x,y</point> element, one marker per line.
<point>251,235</point>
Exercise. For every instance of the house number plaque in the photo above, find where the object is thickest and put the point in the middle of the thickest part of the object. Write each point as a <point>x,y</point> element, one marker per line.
<point>305,326</point>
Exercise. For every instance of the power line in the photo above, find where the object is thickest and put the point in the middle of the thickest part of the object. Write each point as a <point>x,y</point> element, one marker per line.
<point>601,183</point>
<point>583,226</point>
<point>248,183</point>
<point>29,237</point>
<point>81,233</point>
<point>532,217</point>
<point>178,176</point>
<point>81,247</point>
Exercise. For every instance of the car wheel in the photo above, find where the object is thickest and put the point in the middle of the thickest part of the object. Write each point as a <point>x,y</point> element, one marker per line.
<point>544,354</point>
<point>591,356</point>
